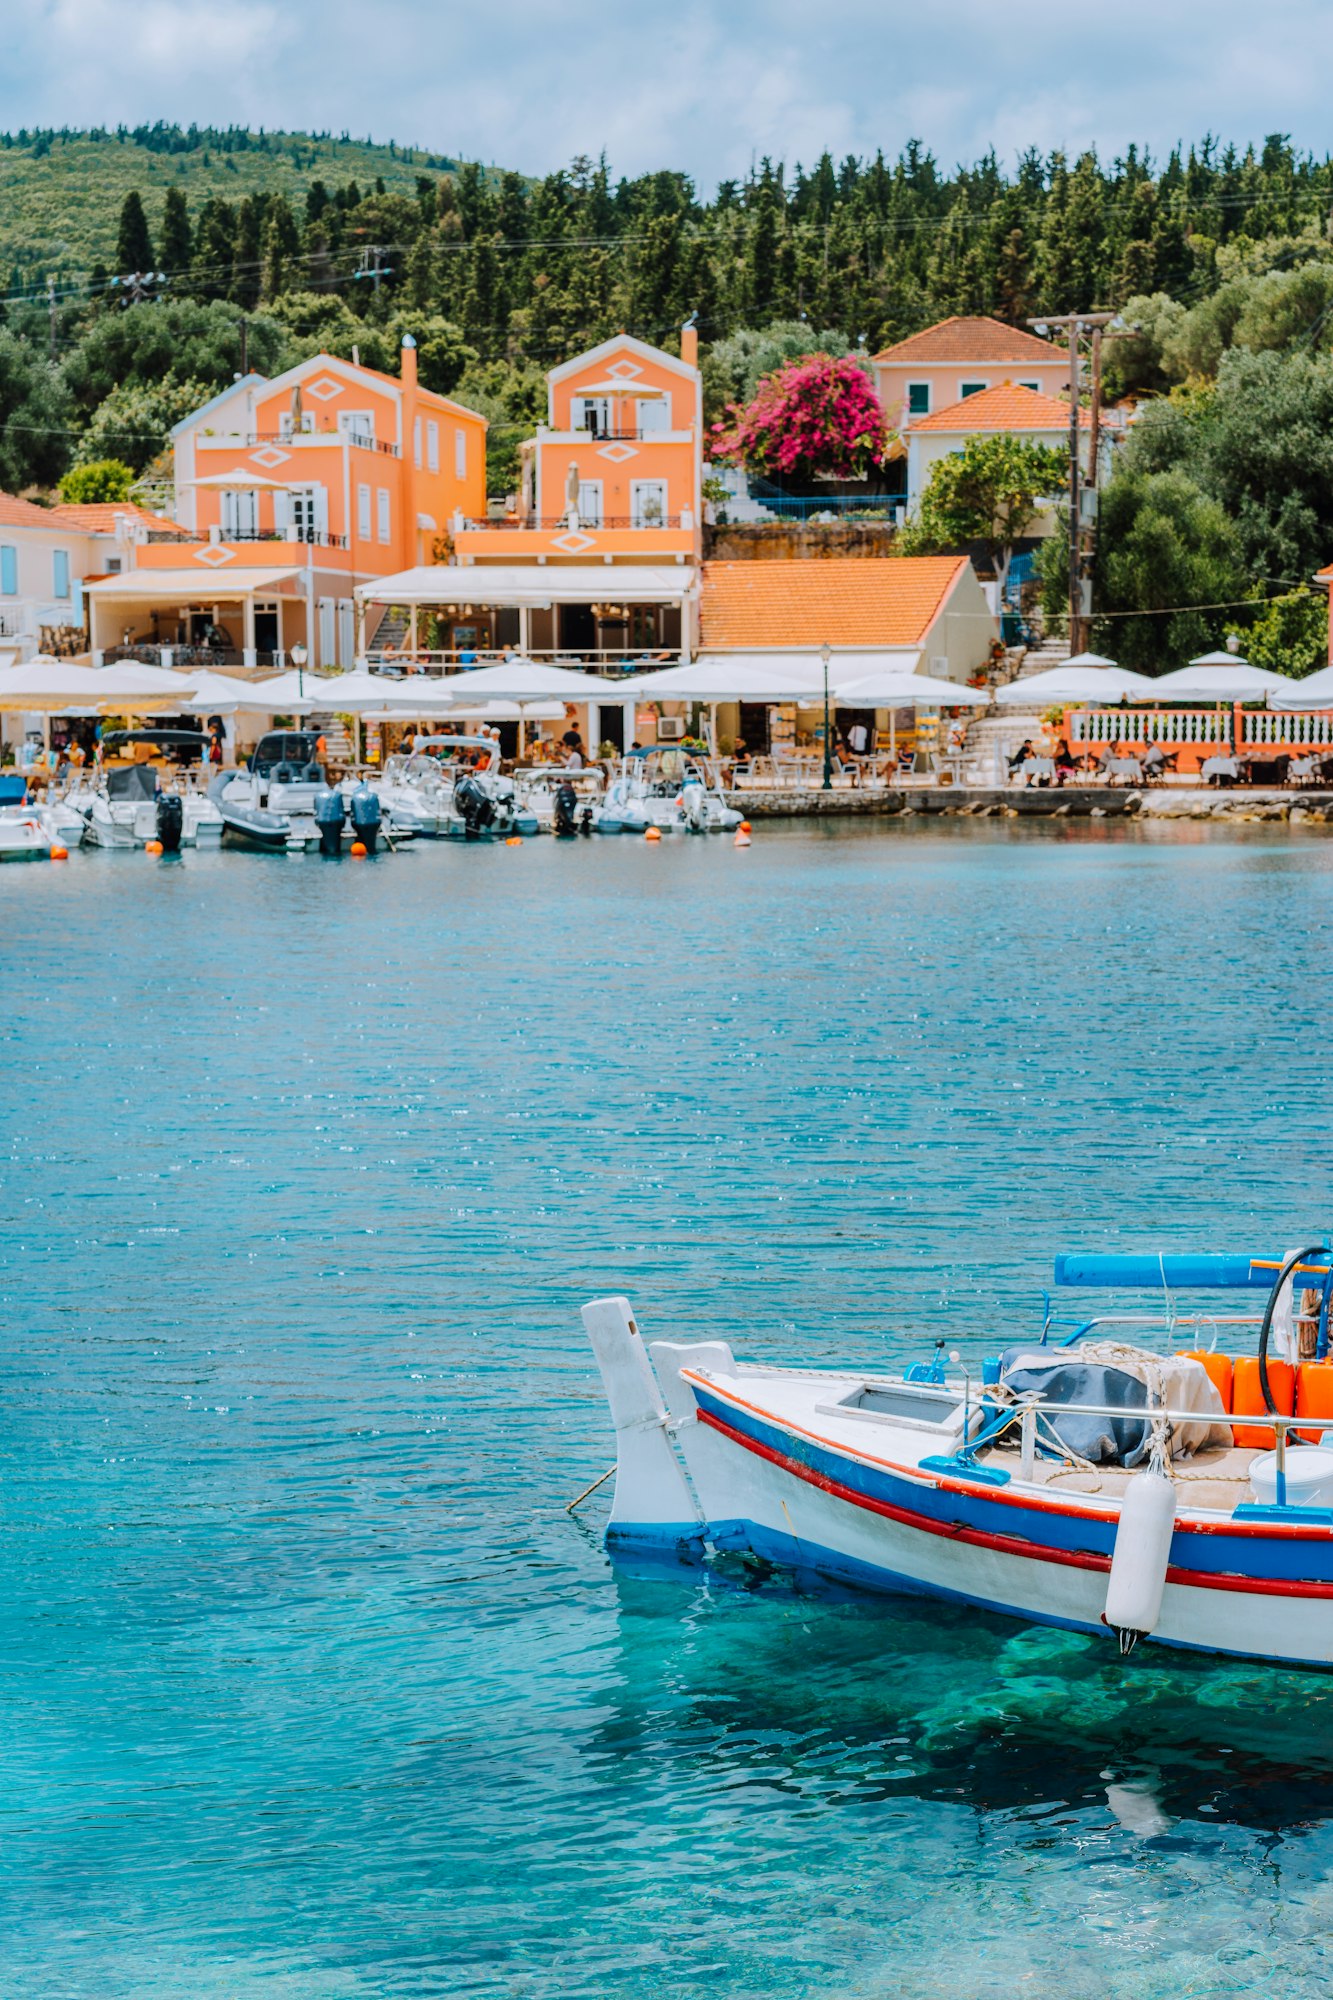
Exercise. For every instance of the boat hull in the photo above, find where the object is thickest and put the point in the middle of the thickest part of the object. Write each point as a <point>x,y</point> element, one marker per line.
<point>1252,1591</point>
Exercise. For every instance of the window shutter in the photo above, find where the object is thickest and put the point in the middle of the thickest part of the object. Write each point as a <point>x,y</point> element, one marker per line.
<point>9,572</point>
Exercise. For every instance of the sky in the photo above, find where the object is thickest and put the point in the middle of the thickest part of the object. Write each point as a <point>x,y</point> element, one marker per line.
<point>701,88</point>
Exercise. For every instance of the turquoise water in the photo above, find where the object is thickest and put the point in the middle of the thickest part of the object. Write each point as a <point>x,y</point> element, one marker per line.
<point>311,1688</point>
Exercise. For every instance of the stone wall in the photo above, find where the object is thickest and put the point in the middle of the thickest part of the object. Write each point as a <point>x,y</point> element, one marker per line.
<point>802,541</point>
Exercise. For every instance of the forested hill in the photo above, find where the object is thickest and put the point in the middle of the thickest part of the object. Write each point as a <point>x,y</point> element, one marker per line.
<point>532,267</point>
<point>61,191</point>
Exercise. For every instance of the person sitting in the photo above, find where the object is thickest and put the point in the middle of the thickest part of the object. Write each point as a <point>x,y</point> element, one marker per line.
<point>1020,756</point>
<point>1064,761</point>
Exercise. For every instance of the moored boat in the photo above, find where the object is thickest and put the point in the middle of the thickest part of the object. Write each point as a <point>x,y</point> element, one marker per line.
<point>1183,1496</point>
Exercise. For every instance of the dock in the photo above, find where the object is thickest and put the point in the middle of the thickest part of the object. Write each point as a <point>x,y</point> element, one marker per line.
<point>1167,802</point>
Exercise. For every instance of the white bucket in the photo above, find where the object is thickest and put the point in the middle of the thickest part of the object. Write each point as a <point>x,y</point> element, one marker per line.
<point>1309,1477</point>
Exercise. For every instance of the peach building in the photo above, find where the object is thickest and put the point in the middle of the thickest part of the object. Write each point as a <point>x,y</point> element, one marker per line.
<point>289,493</point>
<point>1012,408</point>
<point>946,363</point>
<point>597,559</point>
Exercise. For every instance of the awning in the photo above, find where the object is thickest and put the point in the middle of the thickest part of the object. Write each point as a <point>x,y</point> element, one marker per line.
<point>533,584</point>
<point>178,586</point>
<point>806,663</point>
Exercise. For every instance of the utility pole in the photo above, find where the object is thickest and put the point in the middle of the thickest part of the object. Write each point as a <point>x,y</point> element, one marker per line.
<point>243,328</point>
<point>1075,325</point>
<point>51,309</point>
<point>372,268</point>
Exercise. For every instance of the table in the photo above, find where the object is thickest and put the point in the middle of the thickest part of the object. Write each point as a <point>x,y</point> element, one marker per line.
<point>1037,768</point>
<point>1214,769</point>
<point>1124,769</point>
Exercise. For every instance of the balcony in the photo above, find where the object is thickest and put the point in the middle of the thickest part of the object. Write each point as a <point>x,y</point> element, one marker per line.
<point>281,535</point>
<point>610,662</point>
<point>288,440</point>
<point>560,523</point>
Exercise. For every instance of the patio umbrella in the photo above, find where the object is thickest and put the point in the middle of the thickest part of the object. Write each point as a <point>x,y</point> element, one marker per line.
<point>242,479</point>
<point>131,681</point>
<point>530,680</point>
<point>291,693</point>
<point>218,694</point>
<point>901,690</point>
<point>715,679</point>
<point>1315,691</point>
<point>46,684</point>
<point>1076,681</point>
<point>1218,677</point>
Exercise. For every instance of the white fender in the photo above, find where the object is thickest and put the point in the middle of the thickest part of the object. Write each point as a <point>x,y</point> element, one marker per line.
<point>1140,1557</point>
<point>653,1503</point>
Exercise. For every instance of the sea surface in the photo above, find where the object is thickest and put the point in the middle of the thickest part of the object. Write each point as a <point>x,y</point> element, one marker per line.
<point>310,1689</point>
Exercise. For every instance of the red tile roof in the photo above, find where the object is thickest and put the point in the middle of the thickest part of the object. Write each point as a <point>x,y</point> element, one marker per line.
<point>1009,407</point>
<point>98,517</point>
<point>981,340</point>
<point>841,601</point>
<point>23,514</point>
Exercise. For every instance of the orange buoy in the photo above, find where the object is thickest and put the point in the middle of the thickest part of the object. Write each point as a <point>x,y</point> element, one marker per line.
<point>742,839</point>
<point>1217,1367</point>
<point>358,850</point>
<point>745,827</point>
<point>652,833</point>
<point>1247,1398</point>
<point>152,847</point>
<point>60,854</point>
<point>513,840</point>
<point>1314,1397</point>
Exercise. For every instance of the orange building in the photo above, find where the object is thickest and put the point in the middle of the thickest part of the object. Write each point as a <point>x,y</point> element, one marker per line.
<point>289,493</point>
<point>945,363</point>
<point>598,557</point>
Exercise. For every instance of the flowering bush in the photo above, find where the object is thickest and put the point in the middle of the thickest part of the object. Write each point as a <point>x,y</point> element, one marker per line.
<point>814,416</point>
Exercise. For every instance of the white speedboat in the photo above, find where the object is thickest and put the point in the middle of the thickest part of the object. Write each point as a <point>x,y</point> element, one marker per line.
<point>469,798</point>
<point>58,821</point>
<point>121,807</point>
<point>669,788</point>
<point>1084,1482</point>
<point>22,836</point>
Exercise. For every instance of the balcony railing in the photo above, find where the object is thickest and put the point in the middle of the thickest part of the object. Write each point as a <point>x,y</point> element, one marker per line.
<point>246,440</point>
<point>560,523</point>
<point>607,661</point>
<point>304,535</point>
<point>148,654</point>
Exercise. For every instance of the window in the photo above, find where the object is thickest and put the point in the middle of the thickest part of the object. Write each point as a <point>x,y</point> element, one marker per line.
<point>60,572</point>
<point>9,572</point>
<point>648,503</point>
<point>382,511</point>
<point>918,399</point>
<point>416,442</point>
<point>357,425</point>
<point>287,429</point>
<point>653,414</point>
<point>310,512</point>
<point>363,512</point>
<point>432,447</point>
<point>115,565</point>
<point>966,389</point>
<point>1031,385</point>
<point>240,514</point>
<point>590,503</point>
<point>460,453</point>
<point>592,413</point>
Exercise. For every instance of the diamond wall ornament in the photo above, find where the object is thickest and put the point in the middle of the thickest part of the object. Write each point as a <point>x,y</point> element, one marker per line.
<point>617,453</point>
<point>270,456</point>
<point>573,544</point>
<point>214,556</point>
<point>626,370</point>
<point>324,389</point>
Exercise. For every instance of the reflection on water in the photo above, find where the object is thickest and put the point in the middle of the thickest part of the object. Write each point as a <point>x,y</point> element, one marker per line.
<point>311,1687</point>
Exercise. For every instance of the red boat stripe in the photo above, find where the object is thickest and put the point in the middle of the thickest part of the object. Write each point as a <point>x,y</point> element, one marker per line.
<point>1010,1545</point>
<point>1302,1531</point>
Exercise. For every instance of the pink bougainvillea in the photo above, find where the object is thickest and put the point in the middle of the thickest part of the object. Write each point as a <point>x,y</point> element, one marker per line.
<point>810,417</point>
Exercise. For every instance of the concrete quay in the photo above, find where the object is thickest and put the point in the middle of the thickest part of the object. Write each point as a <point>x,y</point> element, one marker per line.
<point>1193,802</point>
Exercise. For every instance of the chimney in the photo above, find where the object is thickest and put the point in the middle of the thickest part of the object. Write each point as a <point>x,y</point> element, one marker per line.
<point>409,362</point>
<point>689,346</point>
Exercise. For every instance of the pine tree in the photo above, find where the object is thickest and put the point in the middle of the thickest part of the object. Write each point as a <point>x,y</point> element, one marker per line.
<point>280,244</point>
<point>175,239</point>
<point>134,246</point>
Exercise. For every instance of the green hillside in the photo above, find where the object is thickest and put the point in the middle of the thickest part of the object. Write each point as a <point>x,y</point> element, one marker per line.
<point>61,192</point>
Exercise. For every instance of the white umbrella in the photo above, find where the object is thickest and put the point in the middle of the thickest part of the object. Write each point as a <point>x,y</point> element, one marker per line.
<point>901,690</point>
<point>130,680</point>
<point>46,684</point>
<point>1088,660</point>
<point>218,694</point>
<point>241,479</point>
<point>1076,682</point>
<point>356,692</point>
<point>1315,691</point>
<point>717,679</point>
<point>1218,677</point>
<point>529,680</point>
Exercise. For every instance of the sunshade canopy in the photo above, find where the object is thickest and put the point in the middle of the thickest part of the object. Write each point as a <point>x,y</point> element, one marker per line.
<point>717,678</point>
<point>241,477</point>
<point>1073,682</point>
<point>220,584</point>
<point>534,584</point>
<point>1217,677</point>
<point>532,680</point>
<point>898,690</point>
<point>217,694</point>
<point>1315,691</point>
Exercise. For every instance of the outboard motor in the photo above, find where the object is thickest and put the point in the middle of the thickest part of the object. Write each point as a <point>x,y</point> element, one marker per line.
<point>694,805</point>
<point>329,809</point>
<point>366,812</point>
<point>564,817</point>
<point>170,821</point>
<point>475,805</point>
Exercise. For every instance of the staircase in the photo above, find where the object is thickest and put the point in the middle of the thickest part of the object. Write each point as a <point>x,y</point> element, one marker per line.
<point>391,631</point>
<point>334,733</point>
<point>1040,659</point>
<point>993,739</point>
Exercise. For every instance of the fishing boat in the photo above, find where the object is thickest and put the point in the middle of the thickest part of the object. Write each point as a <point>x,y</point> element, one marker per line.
<point>669,788</point>
<point>1172,1492</point>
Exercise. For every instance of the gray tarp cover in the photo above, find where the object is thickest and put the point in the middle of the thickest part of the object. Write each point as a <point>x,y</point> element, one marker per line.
<point>1101,1440</point>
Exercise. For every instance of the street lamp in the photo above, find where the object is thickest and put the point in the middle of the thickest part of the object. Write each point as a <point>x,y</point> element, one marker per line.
<point>298,661</point>
<point>826,654</point>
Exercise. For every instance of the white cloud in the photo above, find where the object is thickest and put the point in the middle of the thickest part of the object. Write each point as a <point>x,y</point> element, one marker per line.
<point>701,87</point>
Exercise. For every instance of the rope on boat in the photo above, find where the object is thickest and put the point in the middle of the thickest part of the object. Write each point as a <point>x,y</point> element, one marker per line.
<point>588,1491</point>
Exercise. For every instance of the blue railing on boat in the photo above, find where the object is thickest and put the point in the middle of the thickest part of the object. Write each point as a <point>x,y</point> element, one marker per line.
<point>1173,1272</point>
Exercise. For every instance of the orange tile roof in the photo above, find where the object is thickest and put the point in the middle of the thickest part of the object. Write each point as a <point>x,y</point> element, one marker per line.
<point>98,517</point>
<point>16,513</point>
<point>1009,407</point>
<point>980,340</point>
<point>841,601</point>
